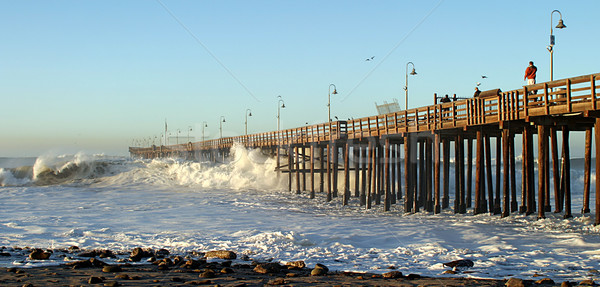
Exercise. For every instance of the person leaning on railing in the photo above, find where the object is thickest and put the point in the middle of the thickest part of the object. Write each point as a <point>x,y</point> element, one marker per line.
<point>444,100</point>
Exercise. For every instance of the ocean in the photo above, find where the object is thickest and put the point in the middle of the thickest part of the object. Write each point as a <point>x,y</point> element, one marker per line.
<point>119,203</point>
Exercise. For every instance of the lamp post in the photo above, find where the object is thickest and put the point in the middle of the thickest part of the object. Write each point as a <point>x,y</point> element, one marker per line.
<point>204,125</point>
<point>406,86</point>
<point>329,101</point>
<point>248,113</point>
<point>221,121</point>
<point>550,48</point>
<point>189,130</point>
<point>280,104</point>
<point>177,136</point>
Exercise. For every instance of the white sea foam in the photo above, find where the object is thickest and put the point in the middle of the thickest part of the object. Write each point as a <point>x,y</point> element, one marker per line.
<point>115,203</point>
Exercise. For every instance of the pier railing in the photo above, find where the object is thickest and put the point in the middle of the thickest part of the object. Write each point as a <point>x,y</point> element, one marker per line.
<point>560,97</point>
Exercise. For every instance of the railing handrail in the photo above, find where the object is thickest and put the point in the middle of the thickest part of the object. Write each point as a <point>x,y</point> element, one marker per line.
<point>547,98</point>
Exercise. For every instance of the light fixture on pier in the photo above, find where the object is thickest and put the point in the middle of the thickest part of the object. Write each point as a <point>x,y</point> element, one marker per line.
<point>204,125</point>
<point>248,114</point>
<point>329,101</point>
<point>561,25</point>
<point>280,105</point>
<point>221,121</point>
<point>412,73</point>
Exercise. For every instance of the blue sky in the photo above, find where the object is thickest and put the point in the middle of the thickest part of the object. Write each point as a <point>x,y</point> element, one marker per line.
<point>96,75</point>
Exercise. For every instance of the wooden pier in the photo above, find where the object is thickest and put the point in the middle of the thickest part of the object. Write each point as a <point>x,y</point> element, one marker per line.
<point>405,157</point>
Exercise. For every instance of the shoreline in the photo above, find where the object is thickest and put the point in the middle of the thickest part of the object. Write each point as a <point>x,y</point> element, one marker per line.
<point>147,267</point>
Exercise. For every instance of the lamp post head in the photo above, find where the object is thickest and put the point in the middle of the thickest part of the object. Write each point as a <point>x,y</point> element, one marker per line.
<point>250,114</point>
<point>283,105</point>
<point>561,24</point>
<point>334,92</point>
<point>413,72</point>
<point>223,120</point>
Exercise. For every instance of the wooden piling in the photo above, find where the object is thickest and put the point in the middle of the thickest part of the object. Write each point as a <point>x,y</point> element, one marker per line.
<point>566,170</point>
<point>356,163</point>
<point>335,165</point>
<point>488,171</point>
<point>587,170</point>
<point>346,196</point>
<point>436,173</point>
<point>513,174</point>
<point>479,200</point>
<point>469,182</point>
<point>303,156</point>
<point>290,166</point>
<point>462,206</point>
<point>386,175</point>
<point>365,179</point>
<point>297,161</point>
<point>392,176</point>
<point>321,168</point>
<point>370,181</point>
<point>421,179</point>
<point>555,170</point>
<point>506,170</point>
<point>446,197</point>
<point>407,176</point>
<point>597,139</point>
<point>328,171</point>
<point>398,173</point>
<point>312,171</point>
<point>429,173</point>
<point>541,171</point>
<point>497,206</point>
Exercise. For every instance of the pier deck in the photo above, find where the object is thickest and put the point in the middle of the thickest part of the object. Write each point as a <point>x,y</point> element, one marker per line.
<point>367,151</point>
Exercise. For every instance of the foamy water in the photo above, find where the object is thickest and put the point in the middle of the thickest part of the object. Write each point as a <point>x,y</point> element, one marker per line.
<point>119,204</point>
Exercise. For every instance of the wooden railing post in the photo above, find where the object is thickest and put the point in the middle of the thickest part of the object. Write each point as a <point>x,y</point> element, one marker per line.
<point>569,104</point>
<point>593,90</point>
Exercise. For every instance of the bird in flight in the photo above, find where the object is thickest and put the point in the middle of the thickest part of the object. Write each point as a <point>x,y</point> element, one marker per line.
<point>370,59</point>
<point>484,77</point>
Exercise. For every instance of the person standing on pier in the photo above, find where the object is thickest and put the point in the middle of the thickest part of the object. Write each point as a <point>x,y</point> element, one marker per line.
<point>530,73</point>
<point>477,92</point>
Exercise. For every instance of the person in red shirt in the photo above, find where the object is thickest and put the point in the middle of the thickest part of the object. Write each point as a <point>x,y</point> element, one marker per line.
<point>530,73</point>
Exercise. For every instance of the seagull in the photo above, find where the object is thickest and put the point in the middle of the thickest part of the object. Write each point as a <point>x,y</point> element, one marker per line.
<point>478,83</point>
<point>370,59</point>
<point>484,77</point>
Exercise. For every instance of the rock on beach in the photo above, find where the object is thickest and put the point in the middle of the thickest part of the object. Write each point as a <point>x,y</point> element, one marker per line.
<point>222,254</point>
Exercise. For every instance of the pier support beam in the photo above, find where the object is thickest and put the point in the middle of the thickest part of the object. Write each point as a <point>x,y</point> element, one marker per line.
<point>566,172</point>
<point>436,173</point>
<point>541,171</point>
<point>346,196</point>
<point>555,170</point>
<point>446,197</point>
<point>469,182</point>
<point>587,171</point>
<point>488,171</point>
<point>312,170</point>
<point>506,170</point>
<point>386,175</point>
<point>407,174</point>
<point>597,139</point>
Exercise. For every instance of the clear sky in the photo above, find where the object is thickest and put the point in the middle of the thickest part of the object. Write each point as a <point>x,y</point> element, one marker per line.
<point>99,76</point>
